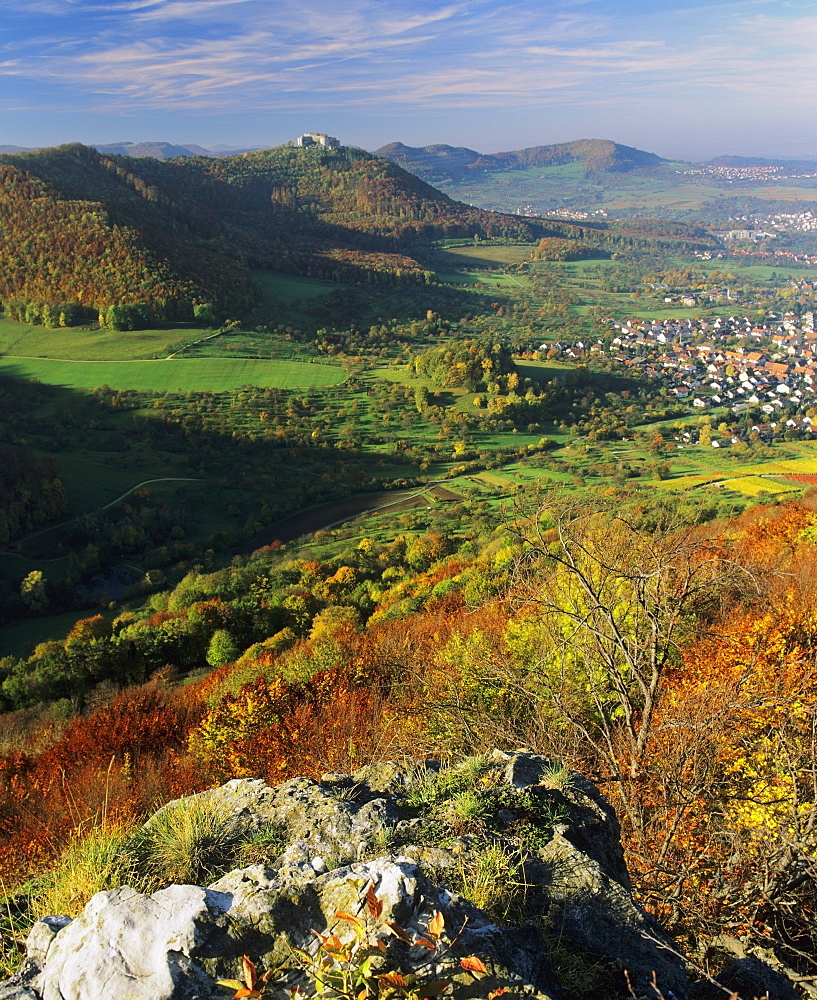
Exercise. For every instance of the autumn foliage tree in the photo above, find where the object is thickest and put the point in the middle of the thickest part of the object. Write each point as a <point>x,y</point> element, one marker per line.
<point>676,665</point>
<point>607,607</point>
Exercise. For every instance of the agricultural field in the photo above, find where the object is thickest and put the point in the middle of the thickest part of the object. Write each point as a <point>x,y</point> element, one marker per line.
<point>486,279</point>
<point>174,375</point>
<point>541,190</point>
<point>698,467</point>
<point>91,344</point>
<point>482,265</point>
<point>473,255</point>
<point>756,486</point>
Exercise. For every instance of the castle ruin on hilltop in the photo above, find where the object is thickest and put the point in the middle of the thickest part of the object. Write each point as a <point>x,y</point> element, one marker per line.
<point>317,139</point>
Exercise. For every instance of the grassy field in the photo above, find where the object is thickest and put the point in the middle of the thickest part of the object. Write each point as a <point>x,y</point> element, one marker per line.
<point>700,467</point>
<point>92,483</point>
<point>280,296</point>
<point>20,637</point>
<point>754,486</point>
<point>479,255</point>
<point>488,279</point>
<point>289,288</point>
<point>478,264</point>
<point>79,344</point>
<point>176,375</point>
<point>542,371</point>
<point>286,298</point>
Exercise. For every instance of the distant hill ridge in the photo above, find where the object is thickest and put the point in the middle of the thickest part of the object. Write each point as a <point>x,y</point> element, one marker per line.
<point>757,161</point>
<point>154,150</point>
<point>597,156</point>
<point>440,162</point>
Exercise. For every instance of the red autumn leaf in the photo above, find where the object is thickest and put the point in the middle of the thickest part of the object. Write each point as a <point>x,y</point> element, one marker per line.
<point>373,904</point>
<point>398,931</point>
<point>393,979</point>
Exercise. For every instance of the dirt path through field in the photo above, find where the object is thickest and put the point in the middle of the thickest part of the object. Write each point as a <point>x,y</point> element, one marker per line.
<point>328,515</point>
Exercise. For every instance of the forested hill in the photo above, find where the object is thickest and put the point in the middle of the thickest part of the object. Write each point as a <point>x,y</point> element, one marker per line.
<point>455,163</point>
<point>84,231</point>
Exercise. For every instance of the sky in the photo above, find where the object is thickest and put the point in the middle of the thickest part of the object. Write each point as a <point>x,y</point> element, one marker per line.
<point>682,79</point>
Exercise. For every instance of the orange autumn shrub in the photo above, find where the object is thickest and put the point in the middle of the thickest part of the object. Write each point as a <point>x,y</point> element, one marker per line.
<point>119,758</point>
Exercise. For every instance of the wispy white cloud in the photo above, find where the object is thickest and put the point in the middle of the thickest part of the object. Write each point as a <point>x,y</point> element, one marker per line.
<point>172,56</point>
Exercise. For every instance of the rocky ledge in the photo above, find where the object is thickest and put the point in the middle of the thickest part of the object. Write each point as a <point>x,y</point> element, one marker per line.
<point>395,854</point>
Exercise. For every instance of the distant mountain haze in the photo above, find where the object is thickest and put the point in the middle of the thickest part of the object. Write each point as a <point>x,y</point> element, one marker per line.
<point>154,150</point>
<point>596,155</point>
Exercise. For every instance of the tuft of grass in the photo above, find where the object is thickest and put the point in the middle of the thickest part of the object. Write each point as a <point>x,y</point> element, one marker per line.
<point>189,842</point>
<point>346,793</point>
<point>470,770</point>
<point>556,776</point>
<point>15,921</point>
<point>95,859</point>
<point>263,847</point>
<point>582,976</point>
<point>494,881</point>
<point>429,788</point>
<point>380,842</point>
<point>467,809</point>
<point>425,789</point>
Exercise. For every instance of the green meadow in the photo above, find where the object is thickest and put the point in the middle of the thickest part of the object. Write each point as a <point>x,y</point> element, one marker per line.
<point>91,344</point>
<point>174,375</point>
<point>478,264</point>
<point>488,279</point>
<point>289,288</point>
<point>285,299</point>
<point>480,255</point>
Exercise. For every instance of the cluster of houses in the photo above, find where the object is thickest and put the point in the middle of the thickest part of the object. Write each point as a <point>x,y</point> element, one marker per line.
<point>564,213</point>
<point>785,222</point>
<point>753,173</point>
<point>725,362</point>
<point>777,257</point>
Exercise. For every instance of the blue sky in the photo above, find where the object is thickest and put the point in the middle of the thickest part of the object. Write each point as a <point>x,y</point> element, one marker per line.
<point>671,76</point>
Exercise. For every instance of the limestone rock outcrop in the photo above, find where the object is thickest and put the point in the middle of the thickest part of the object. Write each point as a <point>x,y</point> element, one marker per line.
<point>417,835</point>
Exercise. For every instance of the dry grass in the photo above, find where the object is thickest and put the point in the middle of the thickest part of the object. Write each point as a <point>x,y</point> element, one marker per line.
<point>96,859</point>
